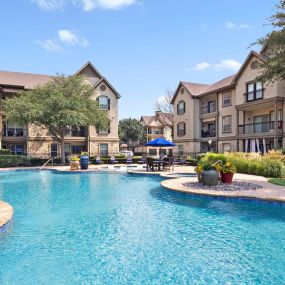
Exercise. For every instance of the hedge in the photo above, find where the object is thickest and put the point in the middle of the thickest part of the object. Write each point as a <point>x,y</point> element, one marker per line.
<point>5,151</point>
<point>14,161</point>
<point>41,161</point>
<point>250,164</point>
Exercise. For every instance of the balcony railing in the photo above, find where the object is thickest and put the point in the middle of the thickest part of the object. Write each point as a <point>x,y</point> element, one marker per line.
<point>263,127</point>
<point>208,109</point>
<point>208,134</point>
<point>81,132</point>
<point>14,132</point>
<point>155,132</point>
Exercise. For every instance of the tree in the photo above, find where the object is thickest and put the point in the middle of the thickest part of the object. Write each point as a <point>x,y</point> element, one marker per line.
<point>59,104</point>
<point>131,131</point>
<point>274,42</point>
<point>164,106</point>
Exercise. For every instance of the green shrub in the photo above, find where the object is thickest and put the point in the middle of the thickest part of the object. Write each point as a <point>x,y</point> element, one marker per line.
<point>5,151</point>
<point>41,161</point>
<point>192,161</point>
<point>14,161</point>
<point>273,168</point>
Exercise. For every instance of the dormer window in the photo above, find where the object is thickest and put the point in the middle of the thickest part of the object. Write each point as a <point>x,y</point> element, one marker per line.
<point>104,103</point>
<point>181,107</point>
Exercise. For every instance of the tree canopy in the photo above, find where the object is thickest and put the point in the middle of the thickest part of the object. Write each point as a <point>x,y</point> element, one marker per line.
<point>61,103</point>
<point>274,42</point>
<point>131,131</point>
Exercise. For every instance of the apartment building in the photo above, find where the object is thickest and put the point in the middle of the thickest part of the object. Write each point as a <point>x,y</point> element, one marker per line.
<point>159,125</point>
<point>234,114</point>
<point>38,142</point>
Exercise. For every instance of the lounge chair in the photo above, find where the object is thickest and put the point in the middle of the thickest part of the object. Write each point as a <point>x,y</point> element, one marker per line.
<point>143,159</point>
<point>98,160</point>
<point>113,160</point>
<point>182,161</point>
<point>129,159</point>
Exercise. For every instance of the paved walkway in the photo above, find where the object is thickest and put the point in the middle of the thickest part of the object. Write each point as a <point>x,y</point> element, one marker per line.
<point>6,214</point>
<point>270,192</point>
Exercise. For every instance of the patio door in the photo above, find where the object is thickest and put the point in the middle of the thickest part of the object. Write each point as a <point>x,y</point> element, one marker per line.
<point>261,124</point>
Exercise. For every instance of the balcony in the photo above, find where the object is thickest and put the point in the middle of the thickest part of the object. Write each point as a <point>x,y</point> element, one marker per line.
<point>263,127</point>
<point>14,132</point>
<point>208,134</point>
<point>77,132</point>
<point>210,108</point>
<point>157,132</point>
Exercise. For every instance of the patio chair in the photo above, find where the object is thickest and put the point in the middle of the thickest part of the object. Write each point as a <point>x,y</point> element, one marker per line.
<point>168,163</point>
<point>129,159</point>
<point>183,160</point>
<point>113,160</point>
<point>149,164</point>
<point>143,159</point>
<point>98,160</point>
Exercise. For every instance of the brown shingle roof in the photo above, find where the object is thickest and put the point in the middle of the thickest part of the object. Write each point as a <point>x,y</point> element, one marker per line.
<point>195,88</point>
<point>226,82</point>
<point>24,80</point>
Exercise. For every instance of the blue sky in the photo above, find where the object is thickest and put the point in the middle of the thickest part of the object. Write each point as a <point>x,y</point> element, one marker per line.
<point>143,47</point>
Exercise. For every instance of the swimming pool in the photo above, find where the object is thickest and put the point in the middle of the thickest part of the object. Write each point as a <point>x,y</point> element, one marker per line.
<point>122,229</point>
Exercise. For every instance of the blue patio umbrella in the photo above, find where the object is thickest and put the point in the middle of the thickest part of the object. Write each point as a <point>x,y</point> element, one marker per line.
<point>160,142</point>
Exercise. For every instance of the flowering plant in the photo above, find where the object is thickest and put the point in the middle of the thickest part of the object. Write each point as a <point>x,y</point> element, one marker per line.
<point>228,168</point>
<point>199,168</point>
<point>74,158</point>
<point>84,153</point>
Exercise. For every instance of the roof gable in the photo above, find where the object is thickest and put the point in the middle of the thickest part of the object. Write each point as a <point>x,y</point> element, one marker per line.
<point>247,60</point>
<point>89,70</point>
<point>104,80</point>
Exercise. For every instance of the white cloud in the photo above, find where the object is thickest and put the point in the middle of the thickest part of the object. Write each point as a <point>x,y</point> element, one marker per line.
<point>230,64</point>
<point>65,38</point>
<point>224,64</point>
<point>202,66</point>
<point>49,44</point>
<point>233,26</point>
<point>87,5</point>
<point>71,38</point>
<point>49,4</point>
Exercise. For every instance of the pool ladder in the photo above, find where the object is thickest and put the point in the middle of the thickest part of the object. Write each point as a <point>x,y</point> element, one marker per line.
<point>46,163</point>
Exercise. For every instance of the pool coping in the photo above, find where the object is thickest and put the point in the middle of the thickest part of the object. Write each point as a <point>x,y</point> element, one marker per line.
<point>6,215</point>
<point>269,192</point>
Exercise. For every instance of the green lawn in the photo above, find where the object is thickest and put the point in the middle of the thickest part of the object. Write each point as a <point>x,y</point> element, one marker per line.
<point>277,181</point>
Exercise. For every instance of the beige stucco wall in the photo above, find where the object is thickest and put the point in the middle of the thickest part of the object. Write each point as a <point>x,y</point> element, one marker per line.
<point>227,111</point>
<point>190,118</point>
<point>249,75</point>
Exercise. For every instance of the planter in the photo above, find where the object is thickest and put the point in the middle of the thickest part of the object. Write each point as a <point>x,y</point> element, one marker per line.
<point>210,177</point>
<point>74,165</point>
<point>84,161</point>
<point>227,178</point>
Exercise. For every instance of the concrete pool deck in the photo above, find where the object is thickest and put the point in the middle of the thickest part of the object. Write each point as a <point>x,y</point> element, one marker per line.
<point>6,214</point>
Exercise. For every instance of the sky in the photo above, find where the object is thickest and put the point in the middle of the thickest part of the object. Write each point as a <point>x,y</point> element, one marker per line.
<point>143,47</point>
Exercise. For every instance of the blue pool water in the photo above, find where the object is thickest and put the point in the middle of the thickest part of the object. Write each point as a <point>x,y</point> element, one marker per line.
<point>120,229</point>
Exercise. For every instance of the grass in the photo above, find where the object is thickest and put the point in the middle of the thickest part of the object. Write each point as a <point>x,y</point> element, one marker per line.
<point>277,181</point>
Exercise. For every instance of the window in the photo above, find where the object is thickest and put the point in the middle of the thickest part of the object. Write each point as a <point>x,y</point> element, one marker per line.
<point>104,149</point>
<point>152,151</point>
<point>227,124</point>
<point>254,91</point>
<point>77,149</point>
<point>180,149</point>
<point>227,99</point>
<point>53,150</point>
<point>16,148</point>
<point>67,149</point>
<point>104,103</point>
<point>181,130</point>
<point>181,107</point>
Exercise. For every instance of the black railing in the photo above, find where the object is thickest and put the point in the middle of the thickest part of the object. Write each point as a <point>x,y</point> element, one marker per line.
<point>208,134</point>
<point>81,132</point>
<point>208,109</point>
<point>14,132</point>
<point>155,132</point>
<point>262,127</point>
